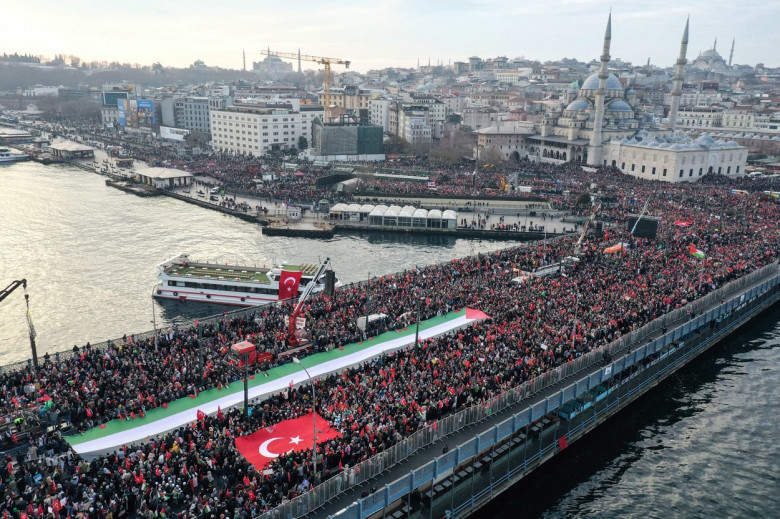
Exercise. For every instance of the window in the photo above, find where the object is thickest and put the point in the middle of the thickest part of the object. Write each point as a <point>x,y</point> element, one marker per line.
<point>632,167</point>
<point>653,171</point>
<point>664,172</point>
<point>643,169</point>
<point>682,172</point>
<point>690,173</point>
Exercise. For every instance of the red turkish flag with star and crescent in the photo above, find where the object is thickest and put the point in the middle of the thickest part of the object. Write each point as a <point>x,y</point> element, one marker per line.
<point>288,284</point>
<point>263,446</point>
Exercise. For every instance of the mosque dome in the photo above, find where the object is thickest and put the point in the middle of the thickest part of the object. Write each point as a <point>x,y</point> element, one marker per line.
<point>619,106</point>
<point>578,105</point>
<point>592,83</point>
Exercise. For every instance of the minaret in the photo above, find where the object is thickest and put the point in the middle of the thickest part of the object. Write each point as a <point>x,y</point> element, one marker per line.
<point>594,151</point>
<point>731,54</point>
<point>678,79</point>
<point>244,53</point>
<point>715,45</point>
<point>299,60</point>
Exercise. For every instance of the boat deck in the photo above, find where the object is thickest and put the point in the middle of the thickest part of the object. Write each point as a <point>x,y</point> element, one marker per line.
<point>233,273</point>
<point>214,272</point>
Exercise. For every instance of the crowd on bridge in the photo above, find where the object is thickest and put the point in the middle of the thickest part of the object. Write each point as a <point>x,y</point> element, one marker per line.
<point>534,326</point>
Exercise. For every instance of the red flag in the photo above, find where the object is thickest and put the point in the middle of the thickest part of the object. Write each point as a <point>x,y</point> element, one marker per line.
<point>288,284</point>
<point>165,405</point>
<point>201,415</point>
<point>56,506</point>
<point>263,446</point>
<point>220,416</point>
<point>562,443</point>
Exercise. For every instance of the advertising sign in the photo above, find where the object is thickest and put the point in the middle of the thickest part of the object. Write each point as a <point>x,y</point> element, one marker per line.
<point>122,108</point>
<point>145,109</point>
<point>173,134</point>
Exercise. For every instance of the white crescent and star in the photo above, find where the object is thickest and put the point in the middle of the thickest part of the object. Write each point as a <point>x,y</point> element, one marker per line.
<point>289,281</point>
<point>263,449</point>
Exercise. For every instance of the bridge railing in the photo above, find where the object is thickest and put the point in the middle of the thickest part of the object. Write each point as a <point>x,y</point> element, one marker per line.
<point>434,431</point>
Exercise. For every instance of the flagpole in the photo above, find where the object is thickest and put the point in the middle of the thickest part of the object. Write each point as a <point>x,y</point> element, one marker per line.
<point>313,421</point>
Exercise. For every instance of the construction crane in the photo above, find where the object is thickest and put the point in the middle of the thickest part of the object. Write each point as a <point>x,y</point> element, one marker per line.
<point>578,245</point>
<point>315,59</point>
<point>5,292</point>
<point>292,339</point>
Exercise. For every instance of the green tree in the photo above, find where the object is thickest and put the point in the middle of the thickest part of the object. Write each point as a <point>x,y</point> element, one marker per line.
<point>303,144</point>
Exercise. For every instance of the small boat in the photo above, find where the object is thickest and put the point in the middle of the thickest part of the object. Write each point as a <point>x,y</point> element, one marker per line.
<point>6,155</point>
<point>184,280</point>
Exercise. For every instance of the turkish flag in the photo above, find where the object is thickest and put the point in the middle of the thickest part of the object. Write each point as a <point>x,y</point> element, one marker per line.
<point>200,414</point>
<point>265,445</point>
<point>288,284</point>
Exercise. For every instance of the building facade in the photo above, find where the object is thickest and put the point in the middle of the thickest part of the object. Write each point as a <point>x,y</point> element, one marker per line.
<point>256,130</point>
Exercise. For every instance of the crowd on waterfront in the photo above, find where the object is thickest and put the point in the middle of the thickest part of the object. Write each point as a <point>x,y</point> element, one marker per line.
<point>534,326</point>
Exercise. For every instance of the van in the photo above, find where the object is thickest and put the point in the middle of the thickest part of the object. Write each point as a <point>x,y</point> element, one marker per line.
<point>214,191</point>
<point>755,174</point>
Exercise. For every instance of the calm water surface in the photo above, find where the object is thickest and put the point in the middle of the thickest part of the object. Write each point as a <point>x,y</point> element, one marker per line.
<point>89,253</point>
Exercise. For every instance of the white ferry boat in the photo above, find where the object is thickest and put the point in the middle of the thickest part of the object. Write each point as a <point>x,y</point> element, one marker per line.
<point>182,279</point>
<point>6,155</point>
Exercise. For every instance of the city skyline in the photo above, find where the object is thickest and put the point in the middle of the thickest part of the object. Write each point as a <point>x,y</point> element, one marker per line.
<point>435,31</point>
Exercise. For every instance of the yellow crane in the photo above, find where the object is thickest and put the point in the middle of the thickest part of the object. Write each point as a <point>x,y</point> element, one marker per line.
<point>315,59</point>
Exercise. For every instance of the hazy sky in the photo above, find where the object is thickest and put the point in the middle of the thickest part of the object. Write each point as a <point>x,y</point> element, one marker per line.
<point>386,32</point>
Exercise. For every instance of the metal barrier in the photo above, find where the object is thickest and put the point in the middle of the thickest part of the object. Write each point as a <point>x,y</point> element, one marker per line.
<point>369,469</point>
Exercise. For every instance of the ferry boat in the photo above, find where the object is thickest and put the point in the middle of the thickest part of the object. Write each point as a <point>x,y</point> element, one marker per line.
<point>182,279</point>
<point>6,155</point>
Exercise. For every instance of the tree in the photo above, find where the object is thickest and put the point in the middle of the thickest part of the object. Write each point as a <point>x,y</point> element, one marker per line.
<point>303,144</point>
<point>396,145</point>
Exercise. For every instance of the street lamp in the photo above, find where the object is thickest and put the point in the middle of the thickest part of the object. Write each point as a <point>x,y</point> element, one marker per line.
<point>313,420</point>
<point>417,328</point>
<point>368,299</point>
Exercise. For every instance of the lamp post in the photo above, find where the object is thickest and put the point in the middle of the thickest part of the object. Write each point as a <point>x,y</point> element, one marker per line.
<point>313,420</point>
<point>154,318</point>
<point>368,298</point>
<point>417,328</point>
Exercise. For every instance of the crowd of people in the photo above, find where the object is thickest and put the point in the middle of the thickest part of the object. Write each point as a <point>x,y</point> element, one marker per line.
<point>534,326</point>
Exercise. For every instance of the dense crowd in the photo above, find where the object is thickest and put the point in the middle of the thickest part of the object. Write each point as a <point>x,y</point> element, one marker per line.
<point>534,326</point>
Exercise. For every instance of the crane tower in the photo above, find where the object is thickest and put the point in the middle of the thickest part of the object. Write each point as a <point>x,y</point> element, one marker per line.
<point>327,62</point>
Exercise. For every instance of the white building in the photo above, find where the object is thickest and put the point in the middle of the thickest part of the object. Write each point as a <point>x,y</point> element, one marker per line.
<point>259,130</point>
<point>700,117</point>
<point>413,124</point>
<point>676,159</point>
<point>379,113</point>
<point>39,90</point>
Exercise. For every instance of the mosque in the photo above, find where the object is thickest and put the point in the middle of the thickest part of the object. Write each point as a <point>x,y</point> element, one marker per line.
<point>601,123</point>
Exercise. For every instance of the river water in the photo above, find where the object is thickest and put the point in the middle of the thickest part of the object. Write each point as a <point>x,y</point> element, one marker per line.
<point>703,444</point>
<point>89,254</point>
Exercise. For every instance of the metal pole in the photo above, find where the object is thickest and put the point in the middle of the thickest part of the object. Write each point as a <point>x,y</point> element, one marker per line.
<point>417,328</point>
<point>368,298</point>
<point>246,384</point>
<point>154,318</point>
<point>313,425</point>
<point>32,332</point>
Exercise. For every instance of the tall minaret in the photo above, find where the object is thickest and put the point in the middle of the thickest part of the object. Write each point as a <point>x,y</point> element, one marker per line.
<point>299,60</point>
<point>678,79</point>
<point>244,53</point>
<point>731,54</point>
<point>594,151</point>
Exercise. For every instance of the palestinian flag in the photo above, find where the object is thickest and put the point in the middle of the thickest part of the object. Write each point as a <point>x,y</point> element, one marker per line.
<point>696,253</point>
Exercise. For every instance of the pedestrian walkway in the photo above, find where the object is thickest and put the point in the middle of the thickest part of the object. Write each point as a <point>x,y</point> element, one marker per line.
<point>102,440</point>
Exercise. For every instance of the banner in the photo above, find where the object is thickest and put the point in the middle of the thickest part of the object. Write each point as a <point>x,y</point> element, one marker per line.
<point>263,446</point>
<point>288,284</point>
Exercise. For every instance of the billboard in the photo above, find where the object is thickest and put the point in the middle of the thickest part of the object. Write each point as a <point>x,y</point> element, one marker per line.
<point>174,134</point>
<point>136,113</point>
<point>145,112</point>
